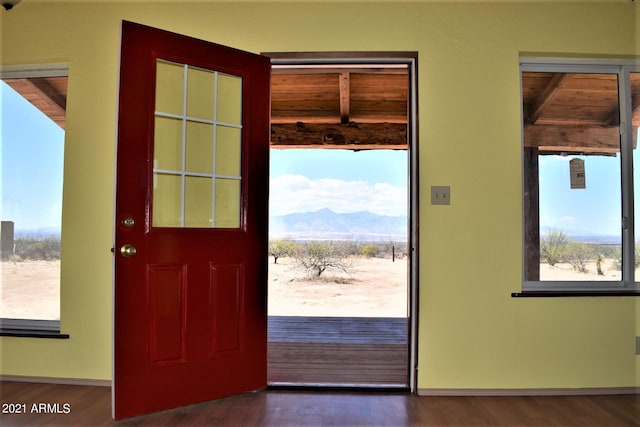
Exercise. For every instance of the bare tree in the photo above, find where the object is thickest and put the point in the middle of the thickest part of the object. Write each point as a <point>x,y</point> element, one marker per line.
<point>317,257</point>
<point>579,254</point>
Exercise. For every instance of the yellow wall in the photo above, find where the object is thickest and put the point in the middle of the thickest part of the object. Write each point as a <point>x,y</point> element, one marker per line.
<point>472,333</point>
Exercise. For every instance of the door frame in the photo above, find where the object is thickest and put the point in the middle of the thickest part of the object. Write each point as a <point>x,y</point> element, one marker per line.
<point>410,59</point>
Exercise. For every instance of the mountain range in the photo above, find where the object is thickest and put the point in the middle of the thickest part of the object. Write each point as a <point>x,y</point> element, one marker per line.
<point>585,236</point>
<point>326,224</point>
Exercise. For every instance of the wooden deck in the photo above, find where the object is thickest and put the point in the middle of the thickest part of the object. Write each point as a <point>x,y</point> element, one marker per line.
<point>338,351</point>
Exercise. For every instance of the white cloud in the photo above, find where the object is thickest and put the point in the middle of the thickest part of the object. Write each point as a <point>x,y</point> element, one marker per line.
<point>564,223</point>
<point>568,220</point>
<point>297,193</point>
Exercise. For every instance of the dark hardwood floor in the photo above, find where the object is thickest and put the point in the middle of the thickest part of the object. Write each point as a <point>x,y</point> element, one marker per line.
<point>91,406</point>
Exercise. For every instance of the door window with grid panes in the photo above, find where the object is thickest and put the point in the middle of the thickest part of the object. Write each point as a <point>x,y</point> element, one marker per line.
<point>197,148</point>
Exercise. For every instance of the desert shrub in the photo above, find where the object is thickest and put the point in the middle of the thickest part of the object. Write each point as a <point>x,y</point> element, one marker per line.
<point>617,258</point>
<point>369,251</point>
<point>579,254</point>
<point>552,246</point>
<point>608,251</point>
<point>347,247</point>
<point>335,279</point>
<point>318,257</point>
<point>390,249</point>
<point>37,249</point>
<point>281,248</point>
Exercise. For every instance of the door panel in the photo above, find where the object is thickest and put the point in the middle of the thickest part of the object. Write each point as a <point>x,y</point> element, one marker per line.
<point>226,308</point>
<point>191,213</point>
<point>166,293</point>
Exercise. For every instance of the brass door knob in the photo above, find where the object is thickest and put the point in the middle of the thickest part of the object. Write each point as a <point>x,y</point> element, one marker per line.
<point>128,251</point>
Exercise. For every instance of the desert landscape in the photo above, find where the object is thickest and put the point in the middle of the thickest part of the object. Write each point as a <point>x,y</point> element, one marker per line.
<point>373,287</point>
<point>563,271</point>
<point>30,290</point>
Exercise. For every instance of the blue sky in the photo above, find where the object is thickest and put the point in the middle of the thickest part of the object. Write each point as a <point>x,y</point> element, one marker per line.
<point>29,138</point>
<point>594,210</point>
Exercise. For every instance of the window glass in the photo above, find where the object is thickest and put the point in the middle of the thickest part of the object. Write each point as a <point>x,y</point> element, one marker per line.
<point>32,140</point>
<point>572,177</point>
<point>197,148</point>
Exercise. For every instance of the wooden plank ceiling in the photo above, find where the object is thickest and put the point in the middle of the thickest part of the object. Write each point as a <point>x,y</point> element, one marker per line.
<point>348,107</point>
<point>575,113</point>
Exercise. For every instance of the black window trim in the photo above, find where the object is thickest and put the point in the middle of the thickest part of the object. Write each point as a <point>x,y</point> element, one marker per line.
<point>32,328</point>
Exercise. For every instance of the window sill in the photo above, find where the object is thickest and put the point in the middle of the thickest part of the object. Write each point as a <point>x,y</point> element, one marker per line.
<point>556,294</point>
<point>31,328</point>
<point>32,333</point>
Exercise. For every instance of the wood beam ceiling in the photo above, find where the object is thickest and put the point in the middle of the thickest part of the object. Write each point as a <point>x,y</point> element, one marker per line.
<point>363,136</point>
<point>574,113</point>
<point>547,95</point>
<point>574,139</point>
<point>345,107</point>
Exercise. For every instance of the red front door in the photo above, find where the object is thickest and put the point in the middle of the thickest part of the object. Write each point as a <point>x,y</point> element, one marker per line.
<point>191,222</point>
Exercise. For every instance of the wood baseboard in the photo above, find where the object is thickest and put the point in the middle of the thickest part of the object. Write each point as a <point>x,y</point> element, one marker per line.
<point>528,391</point>
<point>52,380</point>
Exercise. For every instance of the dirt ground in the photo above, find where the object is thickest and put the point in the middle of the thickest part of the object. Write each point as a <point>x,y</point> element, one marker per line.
<point>374,287</point>
<point>564,271</point>
<point>30,290</point>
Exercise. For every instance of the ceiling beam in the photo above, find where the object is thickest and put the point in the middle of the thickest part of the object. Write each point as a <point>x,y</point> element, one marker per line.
<point>344,97</point>
<point>43,96</point>
<point>575,139</point>
<point>614,117</point>
<point>52,96</point>
<point>329,118</point>
<point>351,136</point>
<point>547,95</point>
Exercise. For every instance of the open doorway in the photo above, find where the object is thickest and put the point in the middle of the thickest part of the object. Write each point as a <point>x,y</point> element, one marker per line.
<point>342,220</point>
